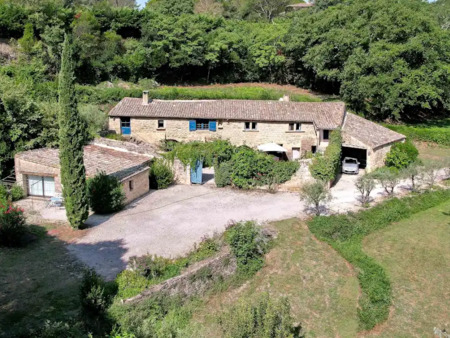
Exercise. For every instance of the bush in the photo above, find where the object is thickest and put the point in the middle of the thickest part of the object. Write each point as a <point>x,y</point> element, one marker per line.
<point>250,168</point>
<point>161,174</point>
<point>12,225</point>
<point>60,329</point>
<point>283,170</point>
<point>264,318</point>
<point>325,168</point>
<point>346,232</point>
<point>16,193</point>
<point>154,267</point>
<point>248,245</point>
<point>222,174</point>
<point>93,294</point>
<point>401,155</point>
<point>130,284</point>
<point>106,194</point>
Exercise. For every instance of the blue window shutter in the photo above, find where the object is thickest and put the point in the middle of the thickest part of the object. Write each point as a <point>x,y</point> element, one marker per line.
<point>192,125</point>
<point>212,125</point>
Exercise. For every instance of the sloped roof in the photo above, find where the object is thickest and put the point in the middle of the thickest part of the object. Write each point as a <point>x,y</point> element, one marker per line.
<point>120,164</point>
<point>325,115</point>
<point>368,132</point>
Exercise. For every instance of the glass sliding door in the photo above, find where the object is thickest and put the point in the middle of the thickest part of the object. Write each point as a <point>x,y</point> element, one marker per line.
<point>41,186</point>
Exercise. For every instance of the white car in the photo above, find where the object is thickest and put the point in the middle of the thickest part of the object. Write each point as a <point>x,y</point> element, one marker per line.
<point>350,165</point>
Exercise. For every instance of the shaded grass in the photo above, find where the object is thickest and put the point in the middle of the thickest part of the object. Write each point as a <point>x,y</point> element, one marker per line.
<point>37,282</point>
<point>320,287</point>
<point>346,232</point>
<point>415,253</point>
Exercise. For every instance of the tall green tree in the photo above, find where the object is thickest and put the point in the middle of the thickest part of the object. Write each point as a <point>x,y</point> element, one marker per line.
<point>72,139</point>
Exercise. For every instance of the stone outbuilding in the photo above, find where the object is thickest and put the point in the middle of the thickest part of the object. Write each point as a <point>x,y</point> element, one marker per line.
<point>38,171</point>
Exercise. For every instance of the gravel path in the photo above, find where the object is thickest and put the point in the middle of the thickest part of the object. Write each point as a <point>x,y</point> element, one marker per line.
<point>169,223</point>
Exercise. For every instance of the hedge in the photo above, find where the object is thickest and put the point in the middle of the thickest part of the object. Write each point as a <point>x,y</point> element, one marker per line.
<point>346,232</point>
<point>326,167</point>
<point>89,94</point>
<point>439,135</point>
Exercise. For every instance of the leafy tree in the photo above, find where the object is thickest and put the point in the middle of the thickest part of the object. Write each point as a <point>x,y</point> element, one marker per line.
<point>365,185</point>
<point>389,178</point>
<point>269,9</point>
<point>171,7</point>
<point>71,142</point>
<point>413,172</point>
<point>315,194</point>
<point>27,41</point>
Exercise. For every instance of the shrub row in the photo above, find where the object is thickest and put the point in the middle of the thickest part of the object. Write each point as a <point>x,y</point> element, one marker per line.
<point>345,234</point>
<point>326,167</point>
<point>89,94</point>
<point>425,134</point>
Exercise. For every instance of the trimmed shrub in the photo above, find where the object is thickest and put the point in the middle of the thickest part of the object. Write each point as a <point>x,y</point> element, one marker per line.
<point>222,174</point>
<point>325,168</point>
<point>248,245</point>
<point>401,155</point>
<point>106,194</point>
<point>283,170</point>
<point>12,225</point>
<point>161,174</point>
<point>250,168</point>
<point>346,232</point>
<point>16,193</point>
<point>264,318</point>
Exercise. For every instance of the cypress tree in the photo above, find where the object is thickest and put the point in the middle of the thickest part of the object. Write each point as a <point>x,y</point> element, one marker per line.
<point>72,138</point>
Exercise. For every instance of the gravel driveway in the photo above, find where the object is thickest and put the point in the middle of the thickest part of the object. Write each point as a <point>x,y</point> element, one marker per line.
<point>169,223</point>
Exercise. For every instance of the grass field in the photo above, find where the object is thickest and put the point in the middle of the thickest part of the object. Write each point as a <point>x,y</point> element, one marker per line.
<point>433,152</point>
<point>416,255</point>
<point>37,282</point>
<point>321,287</point>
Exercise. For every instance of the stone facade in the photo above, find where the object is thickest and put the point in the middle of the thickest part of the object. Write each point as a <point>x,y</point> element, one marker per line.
<point>136,186</point>
<point>24,168</point>
<point>146,129</point>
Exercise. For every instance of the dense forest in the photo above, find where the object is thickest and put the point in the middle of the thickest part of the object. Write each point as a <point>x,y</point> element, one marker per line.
<point>387,59</point>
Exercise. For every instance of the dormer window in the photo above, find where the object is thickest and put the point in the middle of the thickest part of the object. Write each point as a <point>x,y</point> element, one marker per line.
<point>295,126</point>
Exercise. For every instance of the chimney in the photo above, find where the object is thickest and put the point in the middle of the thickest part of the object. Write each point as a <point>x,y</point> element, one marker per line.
<point>286,98</point>
<point>145,99</point>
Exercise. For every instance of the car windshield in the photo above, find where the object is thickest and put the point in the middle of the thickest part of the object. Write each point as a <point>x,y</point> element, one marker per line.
<point>350,160</point>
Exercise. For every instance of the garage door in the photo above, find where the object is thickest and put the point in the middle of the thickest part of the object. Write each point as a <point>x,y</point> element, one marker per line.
<point>41,186</point>
<point>358,153</point>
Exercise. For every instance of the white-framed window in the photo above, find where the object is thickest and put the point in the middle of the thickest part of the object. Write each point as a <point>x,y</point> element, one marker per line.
<point>220,124</point>
<point>250,126</point>
<point>161,124</point>
<point>295,126</point>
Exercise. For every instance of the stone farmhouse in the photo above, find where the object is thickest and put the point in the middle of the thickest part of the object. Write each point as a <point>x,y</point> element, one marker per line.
<point>38,171</point>
<point>299,127</point>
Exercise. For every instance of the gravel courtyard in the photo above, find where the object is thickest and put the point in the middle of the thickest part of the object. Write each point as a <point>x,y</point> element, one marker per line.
<point>169,223</point>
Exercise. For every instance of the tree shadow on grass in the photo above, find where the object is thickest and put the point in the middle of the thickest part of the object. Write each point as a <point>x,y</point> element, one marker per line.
<point>40,280</point>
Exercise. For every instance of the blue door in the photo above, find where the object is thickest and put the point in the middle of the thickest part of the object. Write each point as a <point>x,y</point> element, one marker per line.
<point>126,130</point>
<point>196,173</point>
<point>125,125</point>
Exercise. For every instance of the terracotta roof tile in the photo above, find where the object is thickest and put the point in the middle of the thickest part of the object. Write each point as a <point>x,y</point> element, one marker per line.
<point>368,132</point>
<point>326,115</point>
<point>120,164</point>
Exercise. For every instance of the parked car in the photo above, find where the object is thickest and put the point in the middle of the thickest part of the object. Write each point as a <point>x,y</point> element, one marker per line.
<point>350,165</point>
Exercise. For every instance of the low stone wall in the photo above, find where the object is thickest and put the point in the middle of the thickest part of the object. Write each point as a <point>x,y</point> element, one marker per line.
<point>181,172</point>
<point>196,280</point>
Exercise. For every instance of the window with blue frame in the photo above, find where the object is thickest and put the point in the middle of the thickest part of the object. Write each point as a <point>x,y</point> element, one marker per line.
<point>202,124</point>
<point>125,125</point>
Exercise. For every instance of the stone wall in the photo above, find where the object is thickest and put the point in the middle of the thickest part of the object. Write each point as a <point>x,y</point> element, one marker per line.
<point>377,156</point>
<point>140,183</point>
<point>196,280</point>
<point>267,132</point>
<point>24,168</point>
<point>301,177</point>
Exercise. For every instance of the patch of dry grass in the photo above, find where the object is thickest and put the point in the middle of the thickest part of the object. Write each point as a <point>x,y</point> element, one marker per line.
<point>433,152</point>
<point>416,255</point>
<point>320,285</point>
<point>37,282</point>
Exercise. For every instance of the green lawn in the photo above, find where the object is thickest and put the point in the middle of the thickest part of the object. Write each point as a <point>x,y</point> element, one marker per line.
<point>433,152</point>
<point>37,282</point>
<point>322,288</point>
<point>416,255</point>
